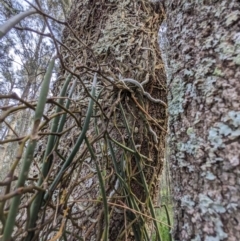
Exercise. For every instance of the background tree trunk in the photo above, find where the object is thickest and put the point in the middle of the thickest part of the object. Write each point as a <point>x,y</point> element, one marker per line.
<point>204,125</point>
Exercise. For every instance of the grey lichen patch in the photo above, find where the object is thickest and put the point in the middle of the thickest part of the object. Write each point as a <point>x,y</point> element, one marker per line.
<point>192,144</point>
<point>232,18</point>
<point>206,67</point>
<point>214,209</point>
<point>233,117</point>
<point>233,158</point>
<point>218,72</point>
<point>191,147</point>
<point>236,59</point>
<point>197,238</point>
<point>214,138</point>
<point>207,205</point>
<point>203,56</point>
<point>226,130</point>
<point>236,38</point>
<point>226,50</point>
<point>186,201</point>
<point>208,89</point>
<point>188,72</point>
<point>230,127</point>
<point>209,175</point>
<point>176,101</point>
<point>212,238</point>
<point>232,207</point>
<point>118,30</point>
<point>220,234</point>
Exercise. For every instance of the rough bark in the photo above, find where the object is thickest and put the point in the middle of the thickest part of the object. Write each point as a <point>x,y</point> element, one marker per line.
<point>118,40</point>
<point>204,125</point>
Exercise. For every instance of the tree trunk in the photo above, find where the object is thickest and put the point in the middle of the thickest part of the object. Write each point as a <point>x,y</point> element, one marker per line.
<point>203,82</point>
<point>118,41</point>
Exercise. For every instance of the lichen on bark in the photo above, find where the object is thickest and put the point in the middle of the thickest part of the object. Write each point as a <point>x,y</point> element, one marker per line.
<point>118,40</point>
<point>204,124</point>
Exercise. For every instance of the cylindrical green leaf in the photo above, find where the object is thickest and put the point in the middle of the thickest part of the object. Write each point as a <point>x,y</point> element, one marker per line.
<point>36,205</point>
<point>79,140</point>
<point>4,28</point>
<point>27,160</point>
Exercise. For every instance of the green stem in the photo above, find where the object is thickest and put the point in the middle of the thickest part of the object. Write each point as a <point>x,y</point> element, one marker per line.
<point>103,192</point>
<point>78,143</point>
<point>47,161</point>
<point>138,157</point>
<point>169,222</point>
<point>27,160</point>
<point>4,28</point>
